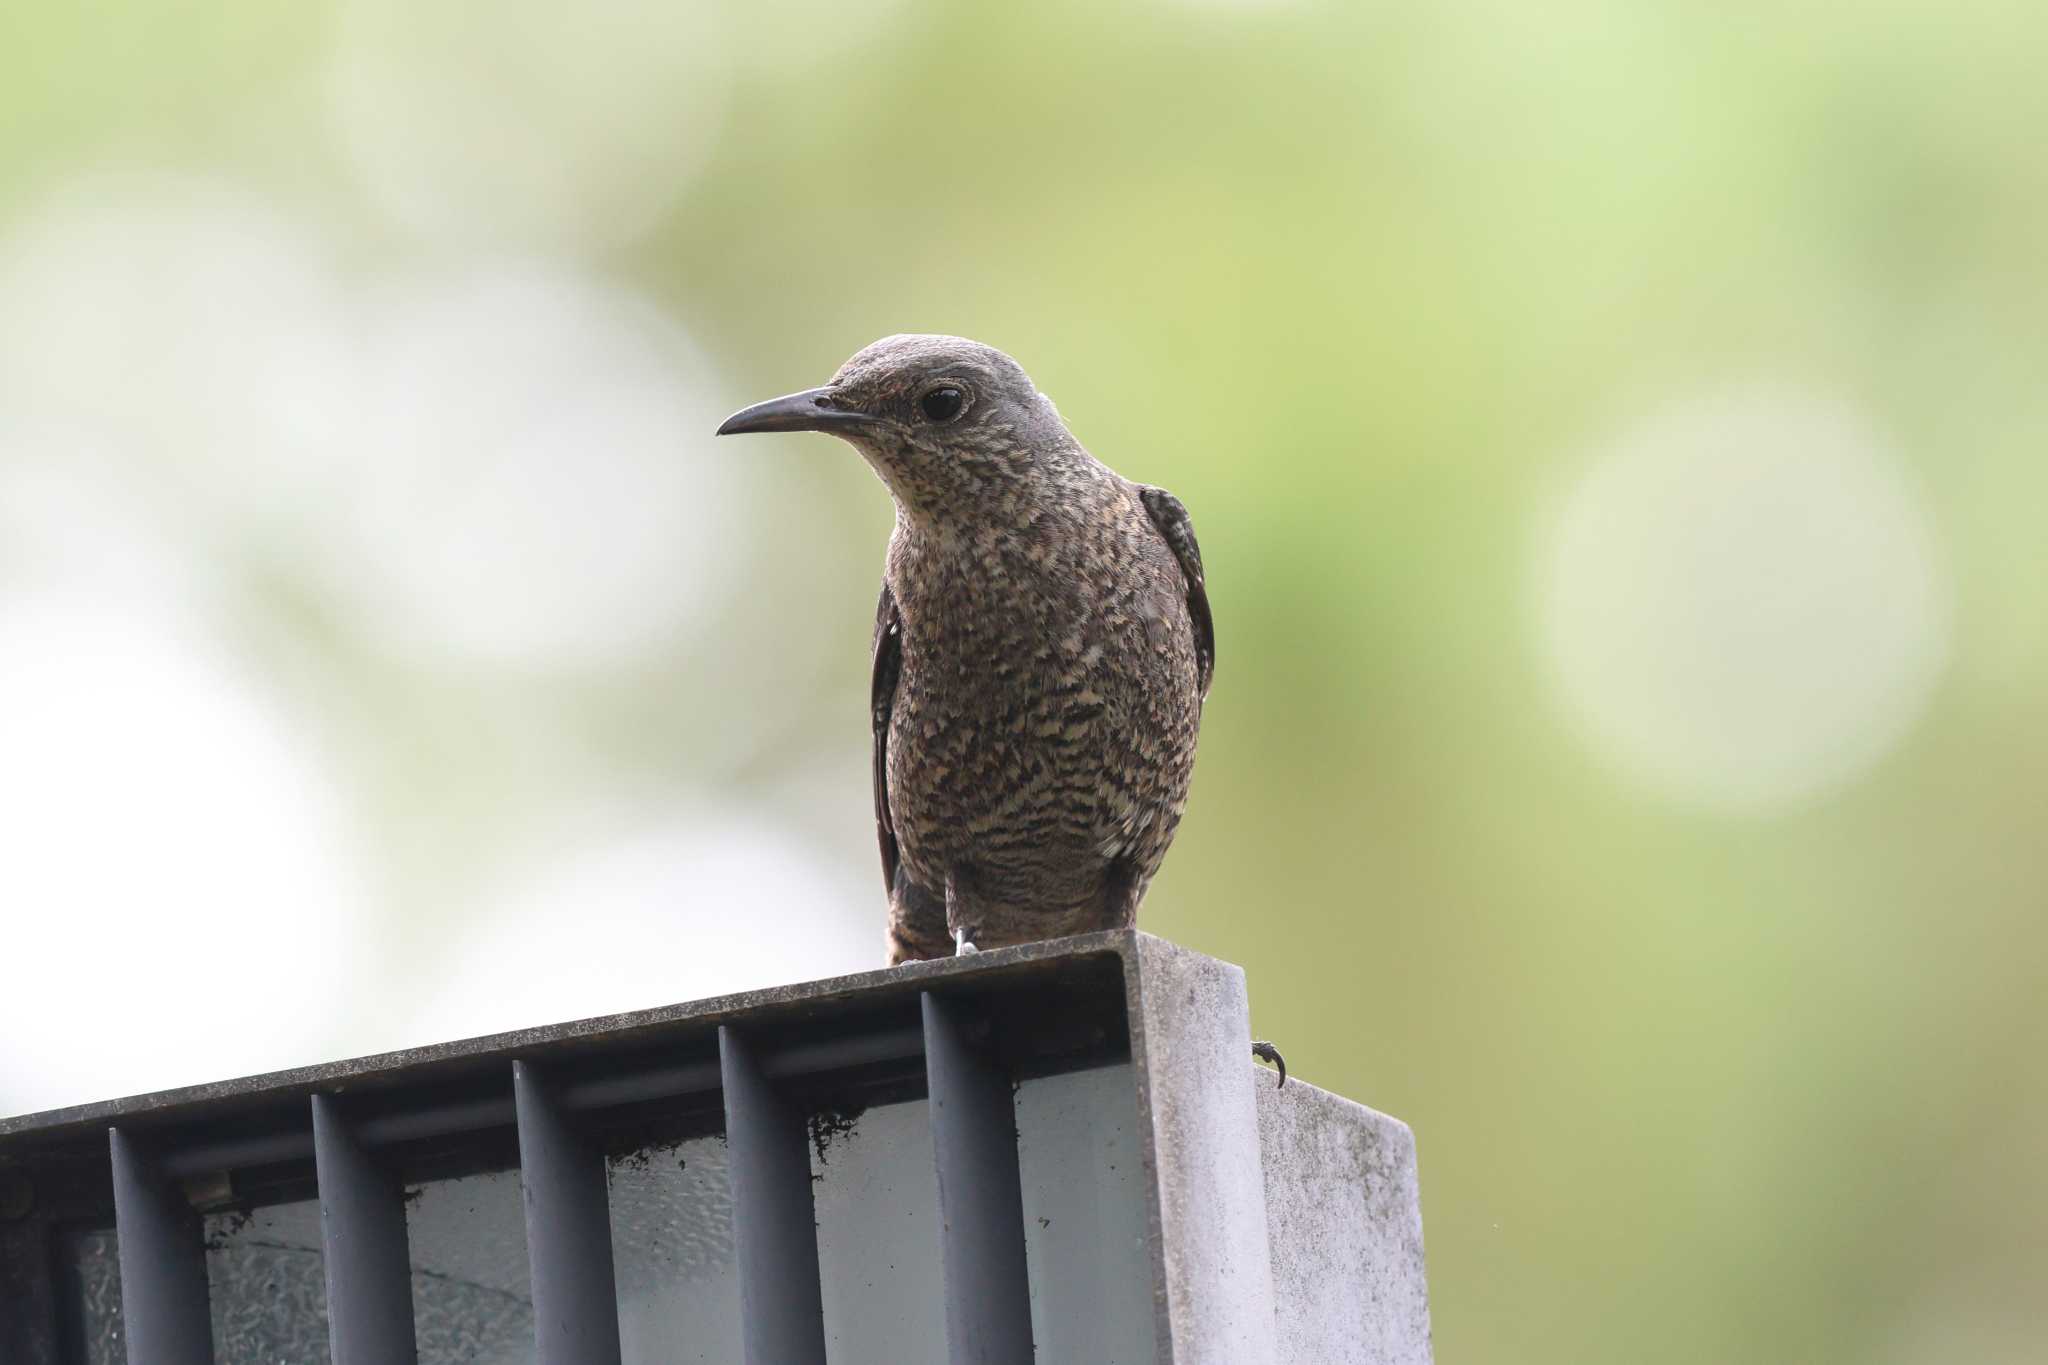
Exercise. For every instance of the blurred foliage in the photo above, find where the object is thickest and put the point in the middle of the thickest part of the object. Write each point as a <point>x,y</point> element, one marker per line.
<point>1366,286</point>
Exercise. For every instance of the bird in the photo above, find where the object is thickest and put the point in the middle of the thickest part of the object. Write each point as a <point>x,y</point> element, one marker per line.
<point>1042,650</point>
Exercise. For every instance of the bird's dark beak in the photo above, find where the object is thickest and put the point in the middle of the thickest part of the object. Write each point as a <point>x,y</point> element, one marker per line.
<point>811,410</point>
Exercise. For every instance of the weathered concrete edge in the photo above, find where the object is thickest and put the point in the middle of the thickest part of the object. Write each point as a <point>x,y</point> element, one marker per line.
<point>1205,1184</point>
<point>1344,1207</point>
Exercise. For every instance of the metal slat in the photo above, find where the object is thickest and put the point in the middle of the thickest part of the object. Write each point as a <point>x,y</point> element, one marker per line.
<point>601,1092</point>
<point>568,1229</point>
<point>981,1199</point>
<point>775,1230</point>
<point>363,1242</point>
<point>163,1262</point>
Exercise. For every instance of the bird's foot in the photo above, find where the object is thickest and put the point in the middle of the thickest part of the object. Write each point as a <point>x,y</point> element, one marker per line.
<point>1266,1052</point>
<point>963,945</point>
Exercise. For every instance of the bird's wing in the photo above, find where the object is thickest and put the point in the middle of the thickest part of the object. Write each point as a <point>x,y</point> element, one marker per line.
<point>888,663</point>
<point>1178,531</point>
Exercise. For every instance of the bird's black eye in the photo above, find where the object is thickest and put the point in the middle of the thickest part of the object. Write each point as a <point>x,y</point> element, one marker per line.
<point>942,404</point>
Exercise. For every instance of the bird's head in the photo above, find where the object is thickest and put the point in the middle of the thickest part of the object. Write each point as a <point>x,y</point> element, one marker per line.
<point>955,428</point>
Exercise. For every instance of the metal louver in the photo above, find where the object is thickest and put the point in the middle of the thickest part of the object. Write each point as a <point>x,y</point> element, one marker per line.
<point>1157,1035</point>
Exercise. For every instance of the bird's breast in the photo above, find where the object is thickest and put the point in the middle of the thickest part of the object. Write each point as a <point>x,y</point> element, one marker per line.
<point>1045,709</point>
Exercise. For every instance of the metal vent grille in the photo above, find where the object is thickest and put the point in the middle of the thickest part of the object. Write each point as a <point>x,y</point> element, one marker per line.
<point>554,1106</point>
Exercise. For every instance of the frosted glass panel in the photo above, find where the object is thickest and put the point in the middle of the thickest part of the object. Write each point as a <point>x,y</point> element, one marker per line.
<point>1084,1227</point>
<point>95,1258</point>
<point>471,1302</point>
<point>679,1289</point>
<point>1084,1217</point>
<point>877,1200</point>
<point>267,1287</point>
<point>876,1196</point>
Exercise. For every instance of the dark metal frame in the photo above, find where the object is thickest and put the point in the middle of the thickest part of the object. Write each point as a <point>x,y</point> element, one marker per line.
<point>553,1102</point>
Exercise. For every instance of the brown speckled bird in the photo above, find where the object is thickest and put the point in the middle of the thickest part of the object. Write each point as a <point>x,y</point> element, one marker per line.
<point>1041,651</point>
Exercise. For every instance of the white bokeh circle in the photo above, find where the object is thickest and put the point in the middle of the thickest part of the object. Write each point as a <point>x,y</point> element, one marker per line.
<point>181,880</point>
<point>528,124</point>
<point>1742,600</point>
<point>74,518</point>
<point>533,488</point>
<point>504,462</point>
<point>689,903</point>
<point>195,325</point>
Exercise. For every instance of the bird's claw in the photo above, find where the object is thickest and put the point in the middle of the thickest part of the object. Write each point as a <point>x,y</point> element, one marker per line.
<point>1266,1052</point>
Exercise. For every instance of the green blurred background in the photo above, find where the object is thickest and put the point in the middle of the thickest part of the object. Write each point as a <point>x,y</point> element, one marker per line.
<point>1616,433</point>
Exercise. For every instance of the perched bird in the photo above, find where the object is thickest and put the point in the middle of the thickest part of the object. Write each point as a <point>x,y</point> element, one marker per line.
<point>1042,649</point>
